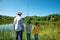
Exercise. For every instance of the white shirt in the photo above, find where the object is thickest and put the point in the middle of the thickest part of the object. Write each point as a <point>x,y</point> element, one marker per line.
<point>18,23</point>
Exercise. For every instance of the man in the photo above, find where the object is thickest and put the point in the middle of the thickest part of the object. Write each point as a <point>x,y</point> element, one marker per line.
<point>18,25</point>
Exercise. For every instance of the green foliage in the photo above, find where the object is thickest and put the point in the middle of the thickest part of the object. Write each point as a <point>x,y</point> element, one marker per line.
<point>46,32</point>
<point>50,18</point>
<point>6,34</point>
<point>6,19</point>
<point>49,27</point>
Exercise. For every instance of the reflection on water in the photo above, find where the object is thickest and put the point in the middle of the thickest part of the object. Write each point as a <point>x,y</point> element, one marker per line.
<point>44,26</point>
<point>6,26</point>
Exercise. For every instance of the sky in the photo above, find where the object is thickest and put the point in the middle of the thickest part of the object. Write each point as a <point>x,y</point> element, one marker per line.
<point>29,7</point>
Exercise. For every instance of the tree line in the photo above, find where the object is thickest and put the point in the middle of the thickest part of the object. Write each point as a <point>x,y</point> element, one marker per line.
<point>50,17</point>
<point>6,19</point>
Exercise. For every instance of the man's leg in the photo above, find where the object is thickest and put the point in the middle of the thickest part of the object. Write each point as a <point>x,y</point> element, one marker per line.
<point>21,32</point>
<point>17,35</point>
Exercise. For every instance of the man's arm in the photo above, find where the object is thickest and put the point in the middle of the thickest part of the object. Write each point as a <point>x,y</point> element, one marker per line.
<point>22,24</point>
<point>14,23</point>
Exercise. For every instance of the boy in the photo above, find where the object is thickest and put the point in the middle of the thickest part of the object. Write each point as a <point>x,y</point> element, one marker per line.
<point>28,30</point>
<point>36,31</point>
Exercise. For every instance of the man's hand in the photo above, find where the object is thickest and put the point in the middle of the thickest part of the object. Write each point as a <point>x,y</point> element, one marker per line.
<point>14,27</point>
<point>22,28</point>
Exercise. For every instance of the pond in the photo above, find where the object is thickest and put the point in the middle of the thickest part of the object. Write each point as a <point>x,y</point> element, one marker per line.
<point>6,26</point>
<point>9,27</point>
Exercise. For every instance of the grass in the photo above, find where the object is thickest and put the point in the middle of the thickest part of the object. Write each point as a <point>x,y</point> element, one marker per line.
<point>47,31</point>
<point>6,35</point>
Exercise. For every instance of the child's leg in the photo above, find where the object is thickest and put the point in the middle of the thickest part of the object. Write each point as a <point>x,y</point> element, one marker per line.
<point>28,36</point>
<point>36,37</point>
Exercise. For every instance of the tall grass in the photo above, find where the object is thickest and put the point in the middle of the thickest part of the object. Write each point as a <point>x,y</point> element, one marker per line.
<point>6,35</point>
<point>48,31</point>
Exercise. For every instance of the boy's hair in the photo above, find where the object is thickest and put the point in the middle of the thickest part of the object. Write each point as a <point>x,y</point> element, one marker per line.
<point>29,21</point>
<point>36,23</point>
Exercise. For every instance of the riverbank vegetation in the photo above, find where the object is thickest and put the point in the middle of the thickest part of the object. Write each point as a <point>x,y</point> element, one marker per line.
<point>48,18</point>
<point>49,31</point>
<point>49,27</point>
<point>6,19</point>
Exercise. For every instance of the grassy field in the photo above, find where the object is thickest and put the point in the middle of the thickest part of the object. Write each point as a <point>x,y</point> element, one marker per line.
<point>48,31</point>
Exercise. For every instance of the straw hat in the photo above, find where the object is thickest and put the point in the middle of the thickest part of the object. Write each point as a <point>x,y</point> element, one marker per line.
<point>19,13</point>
